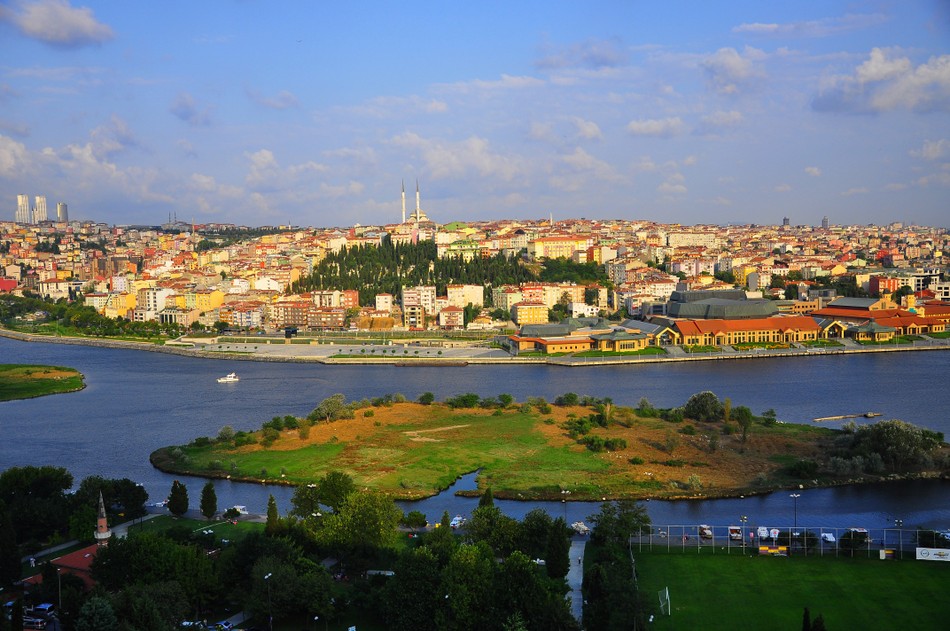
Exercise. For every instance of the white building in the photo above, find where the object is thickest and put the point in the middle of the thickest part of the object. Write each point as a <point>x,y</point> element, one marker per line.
<point>62,214</point>
<point>23,214</point>
<point>39,211</point>
<point>463,295</point>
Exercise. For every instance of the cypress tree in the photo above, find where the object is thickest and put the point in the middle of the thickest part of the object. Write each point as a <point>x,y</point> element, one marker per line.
<point>209,500</point>
<point>178,499</point>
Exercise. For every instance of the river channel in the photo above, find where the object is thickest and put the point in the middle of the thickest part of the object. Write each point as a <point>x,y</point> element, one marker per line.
<point>136,401</point>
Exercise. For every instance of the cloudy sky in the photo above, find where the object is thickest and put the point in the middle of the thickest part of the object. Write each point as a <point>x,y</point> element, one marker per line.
<point>313,113</point>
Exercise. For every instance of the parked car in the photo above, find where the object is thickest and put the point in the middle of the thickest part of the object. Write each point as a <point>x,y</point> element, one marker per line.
<point>827,537</point>
<point>705,532</point>
<point>224,625</point>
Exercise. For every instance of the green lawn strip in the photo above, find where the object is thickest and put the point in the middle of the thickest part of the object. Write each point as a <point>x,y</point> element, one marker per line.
<point>649,350</point>
<point>732,591</point>
<point>512,454</point>
<point>943,335</point>
<point>18,381</point>
<point>222,528</point>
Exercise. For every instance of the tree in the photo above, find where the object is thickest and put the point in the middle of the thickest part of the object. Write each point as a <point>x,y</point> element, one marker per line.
<point>209,500</point>
<point>505,399</point>
<point>366,521</point>
<point>305,501</point>
<point>426,398</point>
<point>9,553</point>
<point>486,499</point>
<point>95,615</point>
<point>557,554</point>
<point>272,526</point>
<point>334,488</point>
<point>411,600</point>
<point>703,406</point>
<point>178,499</point>
<point>743,417</point>
<point>330,409</point>
<point>726,409</point>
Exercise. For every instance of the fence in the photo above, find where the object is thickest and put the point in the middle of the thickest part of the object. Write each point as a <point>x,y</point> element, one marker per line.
<point>895,543</point>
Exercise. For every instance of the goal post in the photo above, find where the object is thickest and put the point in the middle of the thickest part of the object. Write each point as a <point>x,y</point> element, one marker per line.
<point>664,595</point>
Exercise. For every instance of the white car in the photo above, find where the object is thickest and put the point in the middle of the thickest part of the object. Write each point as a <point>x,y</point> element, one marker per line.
<point>827,537</point>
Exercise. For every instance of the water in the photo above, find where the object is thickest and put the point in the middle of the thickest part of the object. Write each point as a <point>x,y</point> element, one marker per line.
<point>137,401</point>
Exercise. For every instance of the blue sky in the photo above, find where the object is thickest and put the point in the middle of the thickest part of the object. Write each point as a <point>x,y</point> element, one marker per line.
<point>313,113</point>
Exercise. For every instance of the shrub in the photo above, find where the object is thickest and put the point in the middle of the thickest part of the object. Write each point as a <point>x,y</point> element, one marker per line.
<point>615,444</point>
<point>291,422</point>
<point>636,460</point>
<point>567,399</point>
<point>694,482</point>
<point>369,414</point>
<point>505,399</point>
<point>201,441</point>
<point>704,406</point>
<point>231,513</point>
<point>688,429</point>
<point>426,398</point>
<point>226,434</point>
<point>243,438</point>
<point>467,400</point>
<point>399,398</point>
<point>594,443</point>
<point>303,432</point>
<point>804,468</point>
<point>268,436</point>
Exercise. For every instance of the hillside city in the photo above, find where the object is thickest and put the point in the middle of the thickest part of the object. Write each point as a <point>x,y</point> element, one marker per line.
<point>660,284</point>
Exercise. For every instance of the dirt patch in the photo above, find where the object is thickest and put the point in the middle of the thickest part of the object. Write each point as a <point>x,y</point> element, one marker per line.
<point>415,437</point>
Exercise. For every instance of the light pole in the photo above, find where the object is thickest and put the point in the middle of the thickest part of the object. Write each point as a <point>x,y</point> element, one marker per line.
<point>564,494</point>
<point>795,497</point>
<point>899,524</point>
<point>59,584</point>
<point>743,519</point>
<point>270,611</point>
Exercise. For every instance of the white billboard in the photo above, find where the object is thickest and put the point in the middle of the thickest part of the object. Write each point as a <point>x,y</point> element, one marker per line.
<point>933,554</point>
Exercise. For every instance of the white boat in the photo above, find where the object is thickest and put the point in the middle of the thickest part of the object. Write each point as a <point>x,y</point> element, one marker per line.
<point>580,528</point>
<point>229,378</point>
<point>457,521</point>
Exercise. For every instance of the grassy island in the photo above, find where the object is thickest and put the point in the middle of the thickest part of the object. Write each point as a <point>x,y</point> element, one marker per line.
<point>24,381</point>
<point>578,449</point>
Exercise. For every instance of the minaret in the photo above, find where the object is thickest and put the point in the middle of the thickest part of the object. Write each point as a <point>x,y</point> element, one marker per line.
<point>102,533</point>
<point>418,207</point>
<point>404,201</point>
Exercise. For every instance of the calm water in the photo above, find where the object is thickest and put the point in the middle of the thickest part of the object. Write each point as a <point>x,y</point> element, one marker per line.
<point>137,401</point>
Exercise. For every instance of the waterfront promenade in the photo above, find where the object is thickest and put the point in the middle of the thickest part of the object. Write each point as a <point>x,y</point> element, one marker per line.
<point>406,353</point>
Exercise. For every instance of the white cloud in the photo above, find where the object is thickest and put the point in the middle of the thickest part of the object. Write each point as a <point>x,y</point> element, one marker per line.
<point>813,171</point>
<point>719,121</point>
<point>814,28</point>
<point>783,188</point>
<point>858,190</point>
<point>932,149</point>
<point>659,127</point>
<point>506,82</point>
<point>541,131</point>
<point>186,109</point>
<point>14,157</point>
<point>281,101</point>
<point>57,23</point>
<point>728,72</point>
<point>895,186</point>
<point>587,129</point>
<point>589,54</point>
<point>580,160</point>
<point>445,159</point>
<point>885,82</point>
<point>673,185</point>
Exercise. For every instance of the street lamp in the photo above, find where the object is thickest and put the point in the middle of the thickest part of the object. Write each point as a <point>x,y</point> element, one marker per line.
<point>270,611</point>
<point>795,497</point>
<point>899,524</point>
<point>743,519</point>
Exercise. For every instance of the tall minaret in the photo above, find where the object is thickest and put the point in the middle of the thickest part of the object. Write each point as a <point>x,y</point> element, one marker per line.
<point>102,533</point>
<point>404,201</point>
<point>418,207</point>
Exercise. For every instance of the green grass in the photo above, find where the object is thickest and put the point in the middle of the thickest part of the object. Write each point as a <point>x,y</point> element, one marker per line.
<point>222,529</point>
<point>19,381</point>
<point>943,335</point>
<point>649,350</point>
<point>745,346</point>
<point>897,339</point>
<point>731,592</point>
<point>821,343</point>
<point>702,349</point>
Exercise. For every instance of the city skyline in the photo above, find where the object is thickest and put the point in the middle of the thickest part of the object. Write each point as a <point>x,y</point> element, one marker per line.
<point>315,114</point>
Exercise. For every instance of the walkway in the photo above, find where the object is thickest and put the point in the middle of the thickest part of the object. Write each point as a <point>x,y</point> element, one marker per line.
<point>575,577</point>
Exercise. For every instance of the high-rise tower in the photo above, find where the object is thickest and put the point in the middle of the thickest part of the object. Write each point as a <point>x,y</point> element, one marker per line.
<point>39,211</point>
<point>22,209</point>
<point>404,201</point>
<point>62,214</point>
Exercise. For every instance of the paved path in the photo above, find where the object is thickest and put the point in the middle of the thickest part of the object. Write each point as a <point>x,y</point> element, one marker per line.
<point>575,577</point>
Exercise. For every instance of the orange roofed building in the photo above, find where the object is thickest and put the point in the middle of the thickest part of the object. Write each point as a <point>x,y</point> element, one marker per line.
<point>777,329</point>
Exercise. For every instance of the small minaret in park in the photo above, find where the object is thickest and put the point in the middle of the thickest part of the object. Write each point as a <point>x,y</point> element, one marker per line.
<point>102,533</point>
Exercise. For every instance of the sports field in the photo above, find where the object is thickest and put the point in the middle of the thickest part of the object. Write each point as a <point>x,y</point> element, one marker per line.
<point>732,592</point>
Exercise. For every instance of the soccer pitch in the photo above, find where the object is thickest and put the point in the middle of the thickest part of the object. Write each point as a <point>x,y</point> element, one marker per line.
<point>731,591</point>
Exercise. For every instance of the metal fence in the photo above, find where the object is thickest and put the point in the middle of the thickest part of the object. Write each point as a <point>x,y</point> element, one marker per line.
<point>802,540</point>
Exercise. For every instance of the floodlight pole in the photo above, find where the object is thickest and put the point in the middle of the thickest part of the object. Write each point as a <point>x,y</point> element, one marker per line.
<point>795,497</point>
<point>270,610</point>
<point>743,519</point>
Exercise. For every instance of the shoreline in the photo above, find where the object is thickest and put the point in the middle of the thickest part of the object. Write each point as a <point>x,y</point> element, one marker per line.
<point>734,493</point>
<point>270,353</point>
